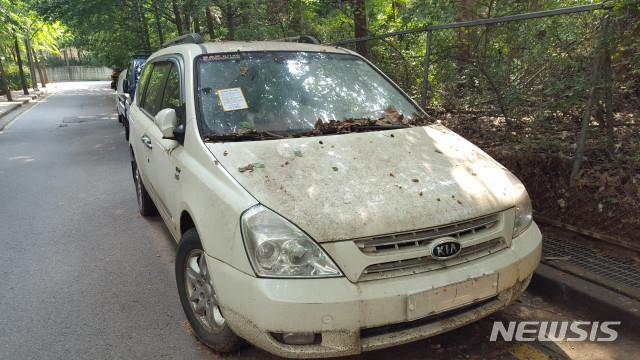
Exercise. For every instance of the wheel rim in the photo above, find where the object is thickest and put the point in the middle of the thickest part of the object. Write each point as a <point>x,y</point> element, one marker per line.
<point>202,297</point>
<point>138,187</point>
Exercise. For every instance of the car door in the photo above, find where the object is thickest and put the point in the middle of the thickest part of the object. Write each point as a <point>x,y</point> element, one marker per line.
<point>164,171</point>
<point>146,110</point>
<point>138,124</point>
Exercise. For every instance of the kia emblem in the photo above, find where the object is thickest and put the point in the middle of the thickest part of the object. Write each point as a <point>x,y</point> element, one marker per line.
<point>445,248</point>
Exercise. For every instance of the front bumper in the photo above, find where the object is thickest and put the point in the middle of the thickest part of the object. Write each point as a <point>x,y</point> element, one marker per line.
<point>349,315</point>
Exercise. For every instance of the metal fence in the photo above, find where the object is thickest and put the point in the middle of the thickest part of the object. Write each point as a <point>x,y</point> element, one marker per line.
<point>540,87</point>
<point>430,29</point>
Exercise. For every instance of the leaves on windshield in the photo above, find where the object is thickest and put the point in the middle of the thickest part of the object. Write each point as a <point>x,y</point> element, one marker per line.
<point>391,119</point>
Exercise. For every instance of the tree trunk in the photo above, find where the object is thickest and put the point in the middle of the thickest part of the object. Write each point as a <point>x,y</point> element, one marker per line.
<point>196,23</point>
<point>39,67</point>
<point>144,26</point>
<point>44,67</point>
<point>598,62</point>
<point>156,13</point>
<point>4,83</point>
<point>177,17</point>
<point>66,60</point>
<point>607,73</point>
<point>187,22</point>
<point>584,126</point>
<point>586,118</point>
<point>210,28</point>
<point>297,21</point>
<point>231,21</point>
<point>360,26</point>
<point>23,79</point>
<point>32,70</point>
<point>186,12</point>
<point>465,10</point>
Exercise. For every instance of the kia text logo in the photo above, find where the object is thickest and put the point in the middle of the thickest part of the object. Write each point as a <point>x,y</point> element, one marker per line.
<point>445,248</point>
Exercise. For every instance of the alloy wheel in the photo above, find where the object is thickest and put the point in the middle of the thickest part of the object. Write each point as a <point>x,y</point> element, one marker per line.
<point>202,297</point>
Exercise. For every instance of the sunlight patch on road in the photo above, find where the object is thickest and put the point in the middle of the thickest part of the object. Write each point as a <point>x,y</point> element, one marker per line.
<point>527,352</point>
<point>24,158</point>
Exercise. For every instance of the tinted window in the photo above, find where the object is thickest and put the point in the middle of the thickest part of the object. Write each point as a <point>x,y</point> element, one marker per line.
<point>171,97</point>
<point>143,82</point>
<point>153,94</point>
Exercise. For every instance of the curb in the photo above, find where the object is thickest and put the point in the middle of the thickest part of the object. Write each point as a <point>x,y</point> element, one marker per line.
<point>601,303</point>
<point>12,108</point>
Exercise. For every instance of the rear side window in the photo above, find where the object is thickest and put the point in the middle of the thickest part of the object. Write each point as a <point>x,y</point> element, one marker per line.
<point>142,83</point>
<point>154,89</point>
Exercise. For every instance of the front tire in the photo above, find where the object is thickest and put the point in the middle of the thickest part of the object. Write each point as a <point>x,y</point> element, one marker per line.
<point>199,299</point>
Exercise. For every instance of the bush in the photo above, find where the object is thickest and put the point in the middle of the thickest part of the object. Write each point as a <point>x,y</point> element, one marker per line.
<point>13,76</point>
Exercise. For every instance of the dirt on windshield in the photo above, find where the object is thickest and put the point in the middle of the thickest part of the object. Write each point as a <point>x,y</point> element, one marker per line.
<point>391,119</point>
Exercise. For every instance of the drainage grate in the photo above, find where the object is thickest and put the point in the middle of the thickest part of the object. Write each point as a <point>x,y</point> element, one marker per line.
<point>605,267</point>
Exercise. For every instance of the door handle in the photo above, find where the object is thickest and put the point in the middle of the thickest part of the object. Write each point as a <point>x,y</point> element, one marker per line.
<point>177,174</point>
<point>146,141</point>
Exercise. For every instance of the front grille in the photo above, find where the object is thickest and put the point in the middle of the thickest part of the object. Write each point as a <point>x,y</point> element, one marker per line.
<point>414,240</point>
<point>427,263</point>
<point>408,253</point>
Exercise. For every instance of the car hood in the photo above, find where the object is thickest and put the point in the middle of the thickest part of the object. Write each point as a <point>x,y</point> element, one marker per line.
<point>365,184</point>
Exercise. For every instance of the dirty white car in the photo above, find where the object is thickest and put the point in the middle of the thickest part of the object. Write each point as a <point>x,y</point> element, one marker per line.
<point>315,215</point>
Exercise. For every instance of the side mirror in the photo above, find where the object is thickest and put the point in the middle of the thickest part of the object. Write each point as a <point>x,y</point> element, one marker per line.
<point>167,121</point>
<point>178,133</point>
<point>125,85</point>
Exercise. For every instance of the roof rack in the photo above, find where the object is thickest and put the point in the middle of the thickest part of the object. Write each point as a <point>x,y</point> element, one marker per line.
<point>305,39</point>
<point>193,38</point>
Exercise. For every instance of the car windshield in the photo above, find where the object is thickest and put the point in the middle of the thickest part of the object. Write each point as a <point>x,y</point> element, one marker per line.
<point>288,92</point>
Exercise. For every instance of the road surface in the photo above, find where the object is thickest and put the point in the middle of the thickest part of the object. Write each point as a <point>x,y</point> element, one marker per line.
<point>84,276</point>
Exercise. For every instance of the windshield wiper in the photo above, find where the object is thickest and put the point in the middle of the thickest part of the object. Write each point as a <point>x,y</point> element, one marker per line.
<point>379,127</point>
<point>242,136</point>
<point>355,125</point>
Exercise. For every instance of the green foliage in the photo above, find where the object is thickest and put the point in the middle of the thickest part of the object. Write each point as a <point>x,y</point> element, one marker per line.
<point>19,20</point>
<point>511,69</point>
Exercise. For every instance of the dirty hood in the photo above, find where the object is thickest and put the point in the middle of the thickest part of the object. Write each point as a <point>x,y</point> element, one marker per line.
<point>364,184</point>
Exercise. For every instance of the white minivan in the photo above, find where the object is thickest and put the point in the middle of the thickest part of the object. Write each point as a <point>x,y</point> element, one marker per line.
<point>317,210</point>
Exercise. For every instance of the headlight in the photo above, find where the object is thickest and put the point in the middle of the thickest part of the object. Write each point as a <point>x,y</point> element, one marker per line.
<point>277,248</point>
<point>524,211</point>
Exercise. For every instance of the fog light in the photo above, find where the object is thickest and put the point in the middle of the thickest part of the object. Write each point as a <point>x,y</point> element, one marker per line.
<point>303,338</point>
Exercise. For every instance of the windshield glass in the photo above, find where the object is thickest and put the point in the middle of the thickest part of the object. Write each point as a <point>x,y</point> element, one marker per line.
<point>287,92</point>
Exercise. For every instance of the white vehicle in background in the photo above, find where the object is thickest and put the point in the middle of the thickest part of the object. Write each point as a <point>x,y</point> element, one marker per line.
<point>317,215</point>
<point>122,97</point>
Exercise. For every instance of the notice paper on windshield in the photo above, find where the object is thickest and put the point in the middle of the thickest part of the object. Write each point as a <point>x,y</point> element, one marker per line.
<point>232,99</point>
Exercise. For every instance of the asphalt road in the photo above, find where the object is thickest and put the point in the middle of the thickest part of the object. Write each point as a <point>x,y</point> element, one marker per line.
<point>84,276</point>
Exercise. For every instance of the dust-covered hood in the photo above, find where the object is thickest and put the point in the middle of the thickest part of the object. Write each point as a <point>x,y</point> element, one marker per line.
<point>363,184</point>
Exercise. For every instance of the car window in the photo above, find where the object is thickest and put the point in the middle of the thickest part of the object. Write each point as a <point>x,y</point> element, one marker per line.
<point>153,93</point>
<point>135,68</point>
<point>171,97</point>
<point>143,82</point>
